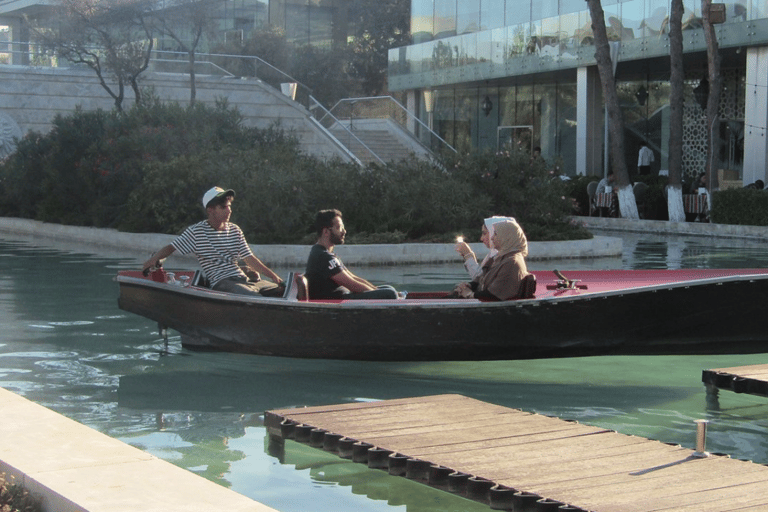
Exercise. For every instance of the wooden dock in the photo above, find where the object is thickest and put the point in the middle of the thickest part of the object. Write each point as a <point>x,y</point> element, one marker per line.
<point>511,459</point>
<point>752,379</point>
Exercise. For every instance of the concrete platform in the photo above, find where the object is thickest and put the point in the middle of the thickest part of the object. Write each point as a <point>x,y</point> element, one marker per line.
<point>75,468</point>
<point>141,245</point>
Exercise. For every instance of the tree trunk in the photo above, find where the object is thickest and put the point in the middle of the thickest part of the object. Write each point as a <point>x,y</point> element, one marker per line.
<point>676,106</point>
<point>192,82</point>
<point>713,101</point>
<point>627,204</point>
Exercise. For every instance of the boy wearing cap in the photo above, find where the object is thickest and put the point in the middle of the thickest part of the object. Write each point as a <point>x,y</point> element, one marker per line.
<point>219,245</point>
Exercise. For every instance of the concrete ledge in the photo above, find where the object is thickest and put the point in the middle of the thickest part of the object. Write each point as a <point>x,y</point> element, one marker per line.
<point>664,227</point>
<point>74,468</point>
<point>141,245</point>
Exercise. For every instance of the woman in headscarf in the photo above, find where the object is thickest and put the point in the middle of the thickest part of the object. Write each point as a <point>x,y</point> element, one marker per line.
<point>475,269</point>
<point>502,277</point>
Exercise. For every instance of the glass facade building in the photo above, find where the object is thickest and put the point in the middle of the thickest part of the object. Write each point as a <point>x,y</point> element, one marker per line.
<point>522,72</point>
<point>321,23</point>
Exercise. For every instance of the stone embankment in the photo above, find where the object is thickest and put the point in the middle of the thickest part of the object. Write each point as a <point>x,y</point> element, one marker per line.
<point>141,245</point>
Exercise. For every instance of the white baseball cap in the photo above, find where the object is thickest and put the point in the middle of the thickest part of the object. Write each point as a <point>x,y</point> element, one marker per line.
<point>214,193</point>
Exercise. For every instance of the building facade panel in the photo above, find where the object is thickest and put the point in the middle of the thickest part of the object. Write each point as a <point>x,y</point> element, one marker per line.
<point>535,72</point>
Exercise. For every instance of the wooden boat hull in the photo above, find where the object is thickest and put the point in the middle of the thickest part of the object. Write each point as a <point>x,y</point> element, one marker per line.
<point>712,313</point>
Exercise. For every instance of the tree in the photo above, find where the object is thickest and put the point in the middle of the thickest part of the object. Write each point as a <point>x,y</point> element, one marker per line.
<point>384,24</point>
<point>676,105</point>
<point>186,21</point>
<point>112,38</point>
<point>713,100</point>
<point>627,203</point>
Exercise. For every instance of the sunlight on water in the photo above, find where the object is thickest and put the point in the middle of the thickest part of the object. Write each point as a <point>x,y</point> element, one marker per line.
<point>204,411</point>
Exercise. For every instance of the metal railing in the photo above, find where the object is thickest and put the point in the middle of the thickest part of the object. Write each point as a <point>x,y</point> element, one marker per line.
<point>387,107</point>
<point>338,122</point>
<point>342,132</point>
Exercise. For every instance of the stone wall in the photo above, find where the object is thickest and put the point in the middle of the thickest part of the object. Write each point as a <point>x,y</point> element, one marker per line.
<point>31,97</point>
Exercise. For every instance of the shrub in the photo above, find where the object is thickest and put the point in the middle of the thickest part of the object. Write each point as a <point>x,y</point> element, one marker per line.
<point>145,170</point>
<point>740,206</point>
<point>14,498</point>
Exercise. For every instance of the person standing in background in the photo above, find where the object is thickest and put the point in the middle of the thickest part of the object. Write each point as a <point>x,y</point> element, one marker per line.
<point>644,160</point>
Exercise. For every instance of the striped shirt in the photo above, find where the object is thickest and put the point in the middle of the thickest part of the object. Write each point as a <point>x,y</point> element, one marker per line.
<point>217,251</point>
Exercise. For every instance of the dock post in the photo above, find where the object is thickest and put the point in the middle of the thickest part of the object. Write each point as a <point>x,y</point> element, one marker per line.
<point>701,439</point>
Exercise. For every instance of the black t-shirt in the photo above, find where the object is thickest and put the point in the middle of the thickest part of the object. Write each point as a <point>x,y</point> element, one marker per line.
<point>321,266</point>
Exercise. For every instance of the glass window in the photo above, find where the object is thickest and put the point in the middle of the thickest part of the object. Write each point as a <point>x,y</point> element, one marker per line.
<point>565,142</point>
<point>297,21</point>
<point>517,39</point>
<point>492,14</point>
<point>549,37</point>
<point>321,17</point>
<point>498,46</point>
<point>520,14</point>
<point>541,9</point>
<point>632,16</point>
<point>422,12</point>
<point>570,27</point>
<point>569,6</point>
<point>445,18</point>
<point>467,16</point>
<point>656,19</point>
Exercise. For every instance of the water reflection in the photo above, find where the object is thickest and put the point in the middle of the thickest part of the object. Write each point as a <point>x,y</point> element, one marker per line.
<point>67,346</point>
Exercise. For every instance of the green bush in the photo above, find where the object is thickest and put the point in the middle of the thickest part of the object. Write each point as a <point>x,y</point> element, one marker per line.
<point>577,190</point>
<point>740,206</point>
<point>145,170</point>
<point>14,498</point>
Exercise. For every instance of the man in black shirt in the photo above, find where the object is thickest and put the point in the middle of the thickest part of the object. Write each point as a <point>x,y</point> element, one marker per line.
<point>326,275</point>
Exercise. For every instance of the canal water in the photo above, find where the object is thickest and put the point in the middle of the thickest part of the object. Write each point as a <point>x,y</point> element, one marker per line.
<point>67,346</point>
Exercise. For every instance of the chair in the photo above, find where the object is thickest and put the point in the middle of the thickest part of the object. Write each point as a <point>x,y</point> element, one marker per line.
<point>591,191</point>
<point>527,288</point>
<point>296,287</point>
<point>640,190</point>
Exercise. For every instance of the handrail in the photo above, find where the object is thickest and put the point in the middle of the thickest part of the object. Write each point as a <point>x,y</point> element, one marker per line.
<point>306,98</point>
<point>337,122</point>
<point>201,62</point>
<point>409,115</point>
<point>285,77</point>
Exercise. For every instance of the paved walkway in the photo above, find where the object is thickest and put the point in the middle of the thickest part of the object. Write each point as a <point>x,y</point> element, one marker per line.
<point>74,468</point>
<point>664,227</point>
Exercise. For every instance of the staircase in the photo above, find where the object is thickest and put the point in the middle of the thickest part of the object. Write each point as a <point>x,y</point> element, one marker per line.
<point>374,141</point>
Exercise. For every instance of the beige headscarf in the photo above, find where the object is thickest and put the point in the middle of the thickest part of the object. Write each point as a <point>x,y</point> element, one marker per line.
<point>510,238</point>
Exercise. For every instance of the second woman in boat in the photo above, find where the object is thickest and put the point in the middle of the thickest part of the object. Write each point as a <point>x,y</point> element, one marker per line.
<point>502,276</point>
<point>475,269</point>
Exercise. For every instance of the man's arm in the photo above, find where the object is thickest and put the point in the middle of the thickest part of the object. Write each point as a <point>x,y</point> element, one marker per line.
<point>159,255</point>
<point>352,282</point>
<point>256,264</point>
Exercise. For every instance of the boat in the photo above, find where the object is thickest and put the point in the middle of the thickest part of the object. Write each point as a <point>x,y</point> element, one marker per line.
<point>576,313</point>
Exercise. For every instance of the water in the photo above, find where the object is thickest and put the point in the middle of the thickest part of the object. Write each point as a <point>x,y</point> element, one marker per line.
<point>67,346</point>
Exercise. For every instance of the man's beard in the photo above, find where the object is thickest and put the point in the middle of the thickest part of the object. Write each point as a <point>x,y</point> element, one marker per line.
<point>337,239</point>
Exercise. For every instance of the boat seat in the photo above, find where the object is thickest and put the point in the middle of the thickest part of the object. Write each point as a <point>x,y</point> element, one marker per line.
<point>296,287</point>
<point>200,280</point>
<point>527,288</point>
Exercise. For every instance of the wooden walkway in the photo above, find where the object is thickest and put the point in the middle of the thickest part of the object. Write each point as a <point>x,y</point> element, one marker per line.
<point>511,459</point>
<point>752,379</point>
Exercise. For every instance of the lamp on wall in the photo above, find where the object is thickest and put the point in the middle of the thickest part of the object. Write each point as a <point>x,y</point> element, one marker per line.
<point>641,95</point>
<point>701,93</point>
<point>486,106</point>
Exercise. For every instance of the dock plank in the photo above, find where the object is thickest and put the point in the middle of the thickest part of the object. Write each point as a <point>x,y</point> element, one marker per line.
<point>588,467</point>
